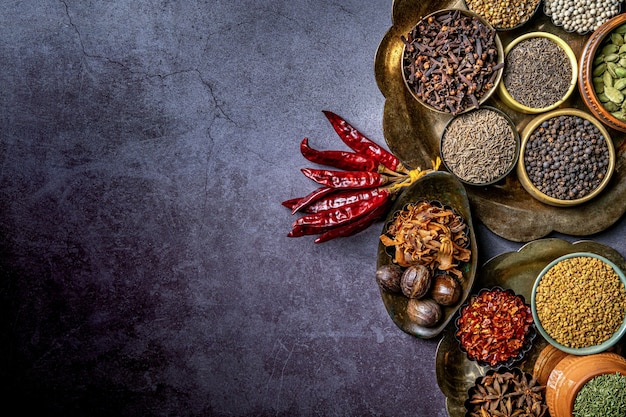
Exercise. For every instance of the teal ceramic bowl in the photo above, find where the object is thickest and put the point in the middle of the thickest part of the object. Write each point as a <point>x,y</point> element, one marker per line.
<point>617,335</point>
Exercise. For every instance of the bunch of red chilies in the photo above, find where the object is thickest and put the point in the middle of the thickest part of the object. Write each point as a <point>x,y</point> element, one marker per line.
<point>356,195</point>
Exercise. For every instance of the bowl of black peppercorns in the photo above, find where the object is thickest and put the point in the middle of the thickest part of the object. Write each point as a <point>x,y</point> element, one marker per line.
<point>567,157</point>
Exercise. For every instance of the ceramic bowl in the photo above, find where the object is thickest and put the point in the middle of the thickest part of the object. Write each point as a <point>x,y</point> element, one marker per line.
<point>590,91</point>
<point>475,152</point>
<point>523,16</point>
<point>522,170</point>
<point>528,338</point>
<point>572,373</point>
<point>512,102</point>
<point>589,350</point>
<point>413,82</point>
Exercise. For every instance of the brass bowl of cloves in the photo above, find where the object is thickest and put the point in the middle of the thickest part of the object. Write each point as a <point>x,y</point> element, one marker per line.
<point>452,61</point>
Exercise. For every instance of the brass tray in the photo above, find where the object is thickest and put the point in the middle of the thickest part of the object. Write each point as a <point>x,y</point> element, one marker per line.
<point>412,133</point>
<point>517,271</point>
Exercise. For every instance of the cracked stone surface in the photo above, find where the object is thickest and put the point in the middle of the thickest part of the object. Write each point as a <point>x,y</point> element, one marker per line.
<point>146,146</point>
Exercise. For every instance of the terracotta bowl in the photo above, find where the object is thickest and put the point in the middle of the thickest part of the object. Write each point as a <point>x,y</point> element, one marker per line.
<point>585,78</point>
<point>511,102</point>
<point>571,374</point>
<point>522,173</point>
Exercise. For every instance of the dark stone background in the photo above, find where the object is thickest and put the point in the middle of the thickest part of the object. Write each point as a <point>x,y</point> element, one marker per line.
<point>145,148</point>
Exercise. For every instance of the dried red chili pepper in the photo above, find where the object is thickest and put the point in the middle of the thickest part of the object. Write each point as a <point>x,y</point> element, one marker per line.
<point>322,221</point>
<point>493,326</point>
<point>362,144</point>
<point>356,226</point>
<point>309,198</point>
<point>349,161</point>
<point>342,198</point>
<point>346,179</point>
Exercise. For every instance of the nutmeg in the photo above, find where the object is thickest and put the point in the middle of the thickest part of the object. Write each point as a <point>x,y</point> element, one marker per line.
<point>425,312</point>
<point>416,281</point>
<point>388,277</point>
<point>446,289</point>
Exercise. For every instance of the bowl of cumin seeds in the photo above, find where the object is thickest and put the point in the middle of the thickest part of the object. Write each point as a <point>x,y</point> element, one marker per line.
<point>480,147</point>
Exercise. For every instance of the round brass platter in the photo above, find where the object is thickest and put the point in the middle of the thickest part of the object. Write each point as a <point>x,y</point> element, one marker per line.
<point>517,271</point>
<point>412,133</point>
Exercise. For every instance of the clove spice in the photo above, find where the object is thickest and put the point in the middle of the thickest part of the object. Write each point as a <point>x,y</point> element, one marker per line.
<point>450,61</point>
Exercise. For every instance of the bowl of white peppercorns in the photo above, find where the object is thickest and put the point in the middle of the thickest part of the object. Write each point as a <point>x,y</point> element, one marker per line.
<point>567,157</point>
<point>581,16</point>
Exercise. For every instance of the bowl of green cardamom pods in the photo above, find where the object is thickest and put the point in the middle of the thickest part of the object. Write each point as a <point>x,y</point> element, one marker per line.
<point>602,73</point>
<point>578,303</point>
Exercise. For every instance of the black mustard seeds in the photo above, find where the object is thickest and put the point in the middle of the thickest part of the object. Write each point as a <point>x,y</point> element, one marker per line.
<point>537,72</point>
<point>566,157</point>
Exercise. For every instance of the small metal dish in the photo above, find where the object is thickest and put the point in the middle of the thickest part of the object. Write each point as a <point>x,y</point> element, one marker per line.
<point>476,155</point>
<point>436,186</point>
<point>513,103</point>
<point>524,15</point>
<point>412,83</point>
<point>617,335</point>
<point>529,336</point>
<point>522,172</point>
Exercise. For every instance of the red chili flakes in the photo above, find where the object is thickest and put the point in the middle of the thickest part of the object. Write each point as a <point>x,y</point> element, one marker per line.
<point>492,327</point>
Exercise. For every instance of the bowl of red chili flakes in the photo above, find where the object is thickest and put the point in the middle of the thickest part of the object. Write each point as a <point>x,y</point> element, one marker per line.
<point>495,327</point>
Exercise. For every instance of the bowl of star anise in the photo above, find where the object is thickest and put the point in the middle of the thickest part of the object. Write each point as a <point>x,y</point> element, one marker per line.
<point>506,392</point>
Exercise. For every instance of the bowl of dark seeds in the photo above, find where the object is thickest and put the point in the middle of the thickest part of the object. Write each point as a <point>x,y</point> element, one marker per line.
<point>540,73</point>
<point>567,157</point>
<point>452,61</point>
<point>480,147</point>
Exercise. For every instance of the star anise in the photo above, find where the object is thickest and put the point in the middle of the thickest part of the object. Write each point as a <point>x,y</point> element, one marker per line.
<point>507,394</point>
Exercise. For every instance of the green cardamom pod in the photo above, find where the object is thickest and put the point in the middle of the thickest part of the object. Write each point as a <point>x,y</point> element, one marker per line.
<point>620,72</point>
<point>617,39</point>
<point>609,49</point>
<point>611,107</point>
<point>613,94</point>
<point>603,98</point>
<point>608,79</point>
<point>622,62</point>
<point>622,49</point>
<point>611,58</point>
<point>619,84</point>
<point>598,87</point>
<point>620,115</point>
<point>610,68</point>
<point>621,29</point>
<point>599,59</point>
<point>599,70</point>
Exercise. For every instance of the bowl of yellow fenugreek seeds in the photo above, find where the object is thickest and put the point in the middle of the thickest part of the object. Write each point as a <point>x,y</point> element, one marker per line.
<point>578,303</point>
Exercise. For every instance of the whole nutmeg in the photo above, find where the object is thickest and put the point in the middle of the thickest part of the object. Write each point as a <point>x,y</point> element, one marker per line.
<point>446,289</point>
<point>416,281</point>
<point>425,312</point>
<point>388,277</point>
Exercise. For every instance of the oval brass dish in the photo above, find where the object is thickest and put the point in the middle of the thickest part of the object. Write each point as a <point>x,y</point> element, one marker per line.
<point>517,271</point>
<point>446,189</point>
<point>413,134</point>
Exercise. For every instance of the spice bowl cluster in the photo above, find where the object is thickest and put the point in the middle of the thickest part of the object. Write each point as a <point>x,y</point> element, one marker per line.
<point>454,62</point>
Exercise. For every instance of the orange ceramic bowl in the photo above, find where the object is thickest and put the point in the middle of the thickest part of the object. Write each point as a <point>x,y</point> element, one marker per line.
<point>572,373</point>
<point>585,77</point>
